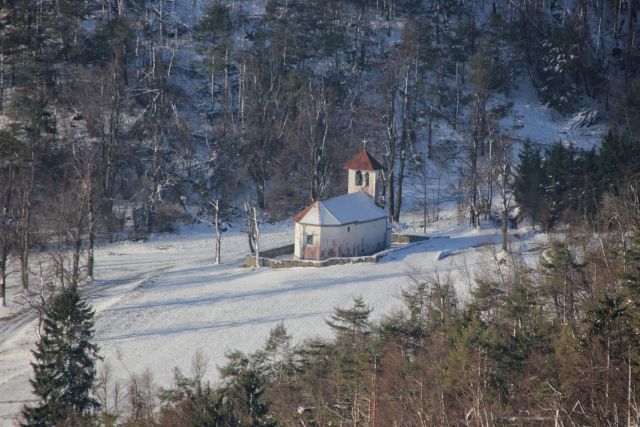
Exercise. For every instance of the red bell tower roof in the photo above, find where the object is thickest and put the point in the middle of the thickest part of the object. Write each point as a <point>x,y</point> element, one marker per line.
<point>364,161</point>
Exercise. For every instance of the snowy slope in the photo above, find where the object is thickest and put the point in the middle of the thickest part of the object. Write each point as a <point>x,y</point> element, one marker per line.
<point>539,123</point>
<point>158,303</point>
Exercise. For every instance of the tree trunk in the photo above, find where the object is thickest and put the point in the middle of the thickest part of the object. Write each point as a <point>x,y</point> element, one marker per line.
<point>256,236</point>
<point>398,193</point>
<point>430,135</point>
<point>629,389</point>
<point>249,224</point>
<point>155,191</point>
<point>503,226</point>
<point>5,242</point>
<point>75,269</point>
<point>260,188</point>
<point>490,178</point>
<point>77,247</point>
<point>424,183</point>
<point>218,247</point>
<point>319,130</point>
<point>108,146</point>
<point>24,262</point>
<point>241,90</point>
<point>3,277</point>
<point>24,226</point>
<point>390,196</point>
<point>473,185</point>
<point>1,82</point>
<point>404,140</point>
<point>504,189</point>
<point>92,239</point>
<point>631,15</point>
<point>216,225</point>
<point>457,110</point>
<point>391,145</point>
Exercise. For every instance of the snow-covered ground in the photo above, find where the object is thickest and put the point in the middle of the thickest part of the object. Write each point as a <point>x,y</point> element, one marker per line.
<point>159,302</point>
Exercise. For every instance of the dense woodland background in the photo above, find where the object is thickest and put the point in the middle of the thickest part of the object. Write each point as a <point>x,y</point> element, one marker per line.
<point>156,111</point>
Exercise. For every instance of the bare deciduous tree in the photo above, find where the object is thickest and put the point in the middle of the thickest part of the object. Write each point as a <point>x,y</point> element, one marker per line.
<point>504,185</point>
<point>253,230</point>
<point>7,201</point>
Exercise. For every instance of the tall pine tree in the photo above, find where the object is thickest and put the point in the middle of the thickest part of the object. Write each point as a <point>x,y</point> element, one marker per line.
<point>529,183</point>
<point>352,322</point>
<point>242,401</point>
<point>64,367</point>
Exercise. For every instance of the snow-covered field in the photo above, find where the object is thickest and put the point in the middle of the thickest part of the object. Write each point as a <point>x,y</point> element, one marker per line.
<point>159,302</point>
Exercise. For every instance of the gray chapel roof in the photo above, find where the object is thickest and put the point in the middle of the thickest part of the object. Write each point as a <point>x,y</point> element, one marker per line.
<point>341,210</point>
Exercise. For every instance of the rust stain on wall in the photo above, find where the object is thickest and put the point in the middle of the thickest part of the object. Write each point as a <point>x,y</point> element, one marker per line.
<point>312,251</point>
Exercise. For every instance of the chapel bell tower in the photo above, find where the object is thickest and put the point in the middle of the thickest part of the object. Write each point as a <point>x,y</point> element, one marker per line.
<point>365,174</point>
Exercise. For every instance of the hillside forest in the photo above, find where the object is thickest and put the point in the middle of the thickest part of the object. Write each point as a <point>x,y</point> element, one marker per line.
<point>122,118</point>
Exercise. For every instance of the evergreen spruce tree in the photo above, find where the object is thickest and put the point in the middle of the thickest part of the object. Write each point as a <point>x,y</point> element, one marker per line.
<point>192,402</point>
<point>64,367</point>
<point>588,180</point>
<point>529,182</point>
<point>619,160</point>
<point>349,365</point>
<point>564,281</point>
<point>276,359</point>
<point>242,403</point>
<point>557,62</point>
<point>353,322</point>
<point>559,168</point>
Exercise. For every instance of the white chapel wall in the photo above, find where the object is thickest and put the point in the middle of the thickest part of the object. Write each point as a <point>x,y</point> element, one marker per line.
<point>301,250</point>
<point>353,239</point>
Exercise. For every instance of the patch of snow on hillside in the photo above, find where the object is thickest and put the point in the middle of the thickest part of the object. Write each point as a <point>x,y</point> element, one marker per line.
<point>530,119</point>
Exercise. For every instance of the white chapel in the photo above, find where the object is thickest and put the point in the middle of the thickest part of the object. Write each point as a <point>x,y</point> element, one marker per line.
<point>349,225</point>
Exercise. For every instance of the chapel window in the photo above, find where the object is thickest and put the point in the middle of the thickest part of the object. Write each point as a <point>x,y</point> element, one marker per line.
<point>359,178</point>
<point>366,179</point>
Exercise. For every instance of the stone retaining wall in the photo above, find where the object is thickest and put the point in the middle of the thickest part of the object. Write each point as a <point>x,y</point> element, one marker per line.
<point>407,238</point>
<point>249,261</point>
<point>267,258</point>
